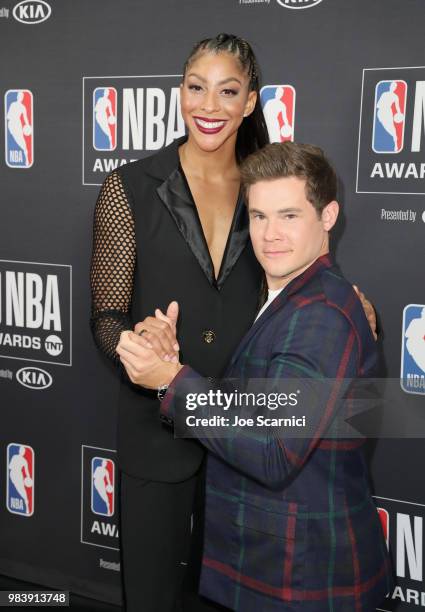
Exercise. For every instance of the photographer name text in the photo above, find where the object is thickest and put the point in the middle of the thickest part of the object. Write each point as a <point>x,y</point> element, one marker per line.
<point>238,421</point>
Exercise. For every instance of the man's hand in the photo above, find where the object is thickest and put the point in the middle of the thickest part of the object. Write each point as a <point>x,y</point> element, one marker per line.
<point>159,333</point>
<point>368,310</point>
<point>143,365</point>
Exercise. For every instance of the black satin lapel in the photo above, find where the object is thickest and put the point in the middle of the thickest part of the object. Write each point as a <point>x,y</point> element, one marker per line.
<point>176,196</point>
<point>236,242</point>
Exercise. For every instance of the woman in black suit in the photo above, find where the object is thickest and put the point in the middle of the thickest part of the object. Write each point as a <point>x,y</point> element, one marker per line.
<point>174,227</point>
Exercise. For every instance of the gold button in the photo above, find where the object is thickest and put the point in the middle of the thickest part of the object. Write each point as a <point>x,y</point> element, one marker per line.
<point>208,336</point>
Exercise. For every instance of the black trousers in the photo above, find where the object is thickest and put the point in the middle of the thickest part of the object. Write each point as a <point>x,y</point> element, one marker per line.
<point>160,561</point>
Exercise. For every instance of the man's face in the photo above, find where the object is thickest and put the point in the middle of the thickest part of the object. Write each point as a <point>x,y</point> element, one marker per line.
<point>286,231</point>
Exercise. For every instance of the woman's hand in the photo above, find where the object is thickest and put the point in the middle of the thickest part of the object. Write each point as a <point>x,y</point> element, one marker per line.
<point>159,333</point>
<point>142,364</point>
<point>369,311</point>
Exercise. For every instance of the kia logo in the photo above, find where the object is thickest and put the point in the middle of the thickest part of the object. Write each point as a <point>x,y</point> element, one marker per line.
<point>34,378</point>
<point>32,11</point>
<point>298,4</point>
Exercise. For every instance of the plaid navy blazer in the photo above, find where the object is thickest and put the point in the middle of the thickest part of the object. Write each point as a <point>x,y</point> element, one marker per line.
<point>290,523</point>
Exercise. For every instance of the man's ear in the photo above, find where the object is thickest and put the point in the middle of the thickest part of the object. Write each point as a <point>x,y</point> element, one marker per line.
<point>330,215</point>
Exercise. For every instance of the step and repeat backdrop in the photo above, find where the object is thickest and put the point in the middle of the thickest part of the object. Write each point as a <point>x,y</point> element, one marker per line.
<point>88,86</point>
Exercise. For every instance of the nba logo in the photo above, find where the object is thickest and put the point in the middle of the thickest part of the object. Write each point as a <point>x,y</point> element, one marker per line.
<point>102,486</point>
<point>413,349</point>
<point>389,116</point>
<point>384,517</point>
<point>20,479</point>
<point>105,118</point>
<point>278,102</point>
<point>19,128</point>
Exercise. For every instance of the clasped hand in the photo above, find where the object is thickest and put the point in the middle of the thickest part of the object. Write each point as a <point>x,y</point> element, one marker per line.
<point>151,360</point>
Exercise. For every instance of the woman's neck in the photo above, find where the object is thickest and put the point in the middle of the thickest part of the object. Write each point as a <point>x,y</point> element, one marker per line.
<point>209,165</point>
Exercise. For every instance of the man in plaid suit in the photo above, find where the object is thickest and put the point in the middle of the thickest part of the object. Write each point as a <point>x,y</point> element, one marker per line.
<point>290,523</point>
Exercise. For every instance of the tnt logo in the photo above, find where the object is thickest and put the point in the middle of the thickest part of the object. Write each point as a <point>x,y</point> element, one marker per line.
<point>384,517</point>
<point>103,490</point>
<point>389,117</point>
<point>278,102</point>
<point>105,118</point>
<point>53,345</point>
<point>20,479</point>
<point>19,128</point>
<point>413,349</point>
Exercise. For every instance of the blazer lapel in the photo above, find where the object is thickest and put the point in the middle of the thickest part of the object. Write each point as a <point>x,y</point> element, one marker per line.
<point>294,287</point>
<point>175,194</point>
<point>236,241</point>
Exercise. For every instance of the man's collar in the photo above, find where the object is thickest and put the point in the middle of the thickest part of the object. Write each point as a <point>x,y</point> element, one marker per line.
<point>321,263</point>
<point>297,284</point>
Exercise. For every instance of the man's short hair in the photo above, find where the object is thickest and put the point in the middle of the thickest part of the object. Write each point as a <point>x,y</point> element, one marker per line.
<point>286,159</point>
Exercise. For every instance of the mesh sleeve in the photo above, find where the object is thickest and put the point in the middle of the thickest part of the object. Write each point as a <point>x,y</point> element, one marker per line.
<point>112,266</point>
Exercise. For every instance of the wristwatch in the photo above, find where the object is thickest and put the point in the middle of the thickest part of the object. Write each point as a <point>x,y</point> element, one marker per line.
<point>162,390</point>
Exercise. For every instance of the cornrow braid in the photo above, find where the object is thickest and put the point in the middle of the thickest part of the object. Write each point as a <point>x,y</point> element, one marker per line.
<point>252,134</point>
<point>234,45</point>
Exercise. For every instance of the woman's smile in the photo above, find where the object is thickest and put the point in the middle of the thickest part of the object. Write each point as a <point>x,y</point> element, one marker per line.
<point>209,126</point>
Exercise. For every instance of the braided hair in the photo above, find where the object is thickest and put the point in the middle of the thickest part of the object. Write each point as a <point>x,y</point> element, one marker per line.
<point>252,134</point>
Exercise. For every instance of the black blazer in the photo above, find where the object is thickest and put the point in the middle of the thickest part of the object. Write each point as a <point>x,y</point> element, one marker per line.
<point>173,263</point>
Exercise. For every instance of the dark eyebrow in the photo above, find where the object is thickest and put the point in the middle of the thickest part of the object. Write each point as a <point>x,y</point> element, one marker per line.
<point>224,81</point>
<point>290,209</point>
<point>220,82</point>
